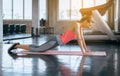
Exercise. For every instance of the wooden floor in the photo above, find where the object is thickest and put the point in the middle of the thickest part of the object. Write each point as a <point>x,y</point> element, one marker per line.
<point>61,65</point>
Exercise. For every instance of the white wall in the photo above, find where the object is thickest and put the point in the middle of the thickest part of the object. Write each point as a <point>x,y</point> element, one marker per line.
<point>1,23</point>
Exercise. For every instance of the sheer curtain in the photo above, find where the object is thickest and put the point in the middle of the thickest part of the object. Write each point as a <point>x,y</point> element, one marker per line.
<point>69,9</point>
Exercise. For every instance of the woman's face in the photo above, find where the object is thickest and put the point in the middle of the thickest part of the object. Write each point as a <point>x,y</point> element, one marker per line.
<point>86,24</point>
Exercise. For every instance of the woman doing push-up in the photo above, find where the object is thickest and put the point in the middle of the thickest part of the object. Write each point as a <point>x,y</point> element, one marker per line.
<point>72,32</point>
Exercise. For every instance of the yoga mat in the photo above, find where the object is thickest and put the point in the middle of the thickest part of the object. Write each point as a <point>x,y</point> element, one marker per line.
<point>56,52</point>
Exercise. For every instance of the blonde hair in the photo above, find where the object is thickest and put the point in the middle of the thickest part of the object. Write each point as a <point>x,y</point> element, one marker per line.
<point>87,18</point>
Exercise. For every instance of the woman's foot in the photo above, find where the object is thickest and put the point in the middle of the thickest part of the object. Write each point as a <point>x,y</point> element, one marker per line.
<point>13,55</point>
<point>12,48</point>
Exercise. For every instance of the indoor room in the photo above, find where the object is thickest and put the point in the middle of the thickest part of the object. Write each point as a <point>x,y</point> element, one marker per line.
<point>59,37</point>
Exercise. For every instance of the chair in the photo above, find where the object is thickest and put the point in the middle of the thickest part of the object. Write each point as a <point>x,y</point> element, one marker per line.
<point>5,29</point>
<point>11,28</point>
<point>17,28</point>
<point>23,28</point>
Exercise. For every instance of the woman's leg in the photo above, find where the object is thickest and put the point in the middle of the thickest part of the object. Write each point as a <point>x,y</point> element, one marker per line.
<point>44,47</point>
<point>34,48</point>
<point>23,46</point>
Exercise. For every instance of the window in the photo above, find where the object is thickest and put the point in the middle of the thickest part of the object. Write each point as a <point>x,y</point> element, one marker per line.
<point>86,5</point>
<point>75,9</point>
<point>64,9</point>
<point>22,9</point>
<point>17,9</point>
<point>69,9</point>
<point>7,9</point>
<point>42,9</point>
<point>97,2</point>
<point>28,9</point>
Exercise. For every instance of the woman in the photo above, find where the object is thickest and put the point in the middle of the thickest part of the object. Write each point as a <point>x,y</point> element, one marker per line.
<point>75,30</point>
<point>70,34</point>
